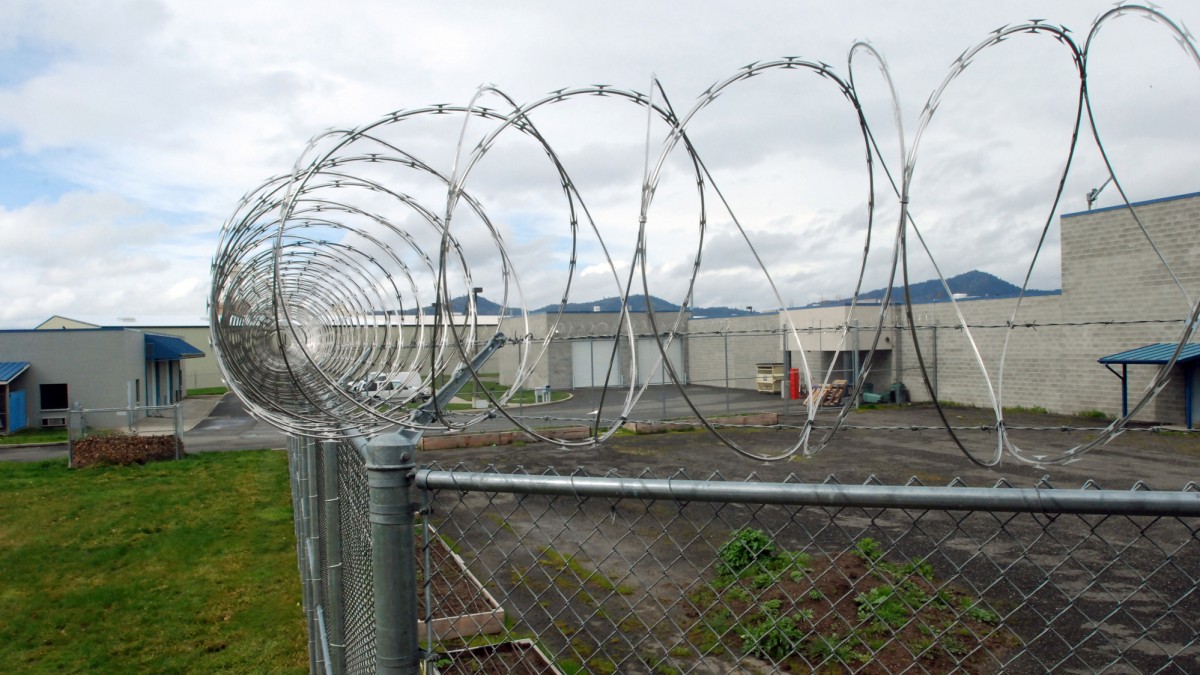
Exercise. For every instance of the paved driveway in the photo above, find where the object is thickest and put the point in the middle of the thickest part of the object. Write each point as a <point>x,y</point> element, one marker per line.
<point>230,427</point>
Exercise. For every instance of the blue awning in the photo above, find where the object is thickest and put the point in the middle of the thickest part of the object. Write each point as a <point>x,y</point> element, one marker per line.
<point>1155,354</point>
<point>169,348</point>
<point>10,370</point>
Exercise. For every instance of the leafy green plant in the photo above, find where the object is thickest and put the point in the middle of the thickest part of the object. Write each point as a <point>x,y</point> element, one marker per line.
<point>746,548</point>
<point>900,611</point>
<point>868,549</point>
<point>773,638</point>
<point>979,612</point>
<point>763,580</point>
<point>884,604</point>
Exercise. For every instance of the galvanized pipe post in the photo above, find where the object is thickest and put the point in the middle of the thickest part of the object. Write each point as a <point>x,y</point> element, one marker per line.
<point>335,614</point>
<point>391,473</point>
<point>300,478</point>
<point>178,428</point>
<point>74,429</point>
<point>313,544</point>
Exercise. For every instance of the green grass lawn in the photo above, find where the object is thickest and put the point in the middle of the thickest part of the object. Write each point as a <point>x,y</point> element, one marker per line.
<point>208,391</point>
<point>35,436</point>
<point>171,567</point>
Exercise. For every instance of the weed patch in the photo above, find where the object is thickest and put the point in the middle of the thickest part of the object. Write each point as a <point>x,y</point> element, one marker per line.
<point>807,613</point>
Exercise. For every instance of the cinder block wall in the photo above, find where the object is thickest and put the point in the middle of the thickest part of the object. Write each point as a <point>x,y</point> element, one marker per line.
<point>739,345</point>
<point>1032,366</point>
<point>1117,294</point>
<point>1111,272</point>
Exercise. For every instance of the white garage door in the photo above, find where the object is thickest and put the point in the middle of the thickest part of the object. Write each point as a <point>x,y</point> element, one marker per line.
<point>650,365</point>
<point>589,364</point>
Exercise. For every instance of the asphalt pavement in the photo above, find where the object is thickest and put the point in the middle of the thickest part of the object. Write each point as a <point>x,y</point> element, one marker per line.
<point>222,423</point>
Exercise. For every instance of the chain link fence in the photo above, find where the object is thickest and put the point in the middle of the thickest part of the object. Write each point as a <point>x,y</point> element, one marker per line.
<point>123,434</point>
<point>680,574</point>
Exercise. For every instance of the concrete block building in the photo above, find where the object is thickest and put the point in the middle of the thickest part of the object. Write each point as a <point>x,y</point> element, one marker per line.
<point>581,355</point>
<point>51,370</point>
<point>202,372</point>
<point>1127,290</point>
<point>1125,285</point>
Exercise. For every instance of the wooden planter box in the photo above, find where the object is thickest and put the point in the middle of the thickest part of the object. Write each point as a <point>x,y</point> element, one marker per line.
<point>753,419</point>
<point>521,655</point>
<point>456,589</point>
<point>488,438</point>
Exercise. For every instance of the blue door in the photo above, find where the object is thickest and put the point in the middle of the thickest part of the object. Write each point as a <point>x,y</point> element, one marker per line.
<point>16,411</point>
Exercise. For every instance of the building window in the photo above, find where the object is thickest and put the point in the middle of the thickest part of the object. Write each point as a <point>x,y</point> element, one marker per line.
<point>137,390</point>
<point>54,397</point>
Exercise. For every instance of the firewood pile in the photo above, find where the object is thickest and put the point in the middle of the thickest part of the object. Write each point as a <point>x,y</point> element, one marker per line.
<point>122,449</point>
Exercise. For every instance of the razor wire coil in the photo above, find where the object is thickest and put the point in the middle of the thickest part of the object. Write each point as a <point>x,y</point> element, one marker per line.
<point>332,306</point>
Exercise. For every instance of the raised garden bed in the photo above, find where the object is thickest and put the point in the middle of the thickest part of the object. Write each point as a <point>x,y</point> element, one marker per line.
<point>463,608</point>
<point>521,657</point>
<point>751,419</point>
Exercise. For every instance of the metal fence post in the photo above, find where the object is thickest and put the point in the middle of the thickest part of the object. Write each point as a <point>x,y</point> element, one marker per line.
<point>335,612</point>
<point>178,428</point>
<point>302,472</point>
<point>391,471</point>
<point>74,428</point>
<point>313,543</point>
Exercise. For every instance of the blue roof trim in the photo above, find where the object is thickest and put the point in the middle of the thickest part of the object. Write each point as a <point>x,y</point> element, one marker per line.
<point>169,348</point>
<point>43,331</point>
<point>9,370</point>
<point>1155,354</point>
<point>1134,204</point>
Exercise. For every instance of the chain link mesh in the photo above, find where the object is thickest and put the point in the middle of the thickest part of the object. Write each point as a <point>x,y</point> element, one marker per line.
<point>638,585</point>
<point>647,585</point>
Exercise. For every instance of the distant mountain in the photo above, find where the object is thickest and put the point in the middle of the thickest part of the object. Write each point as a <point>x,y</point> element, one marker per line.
<point>973,284</point>
<point>637,304</point>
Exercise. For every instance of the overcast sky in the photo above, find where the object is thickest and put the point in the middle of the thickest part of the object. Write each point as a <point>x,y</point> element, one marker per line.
<point>129,130</point>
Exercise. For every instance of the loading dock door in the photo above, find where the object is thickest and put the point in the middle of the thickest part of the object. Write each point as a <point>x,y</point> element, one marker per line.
<point>651,369</point>
<point>589,364</point>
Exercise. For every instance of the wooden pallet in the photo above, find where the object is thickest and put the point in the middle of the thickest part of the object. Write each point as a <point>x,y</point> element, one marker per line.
<point>828,394</point>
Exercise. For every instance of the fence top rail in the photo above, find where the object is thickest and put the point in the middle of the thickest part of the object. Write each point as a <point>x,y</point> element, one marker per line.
<point>1016,500</point>
<point>125,409</point>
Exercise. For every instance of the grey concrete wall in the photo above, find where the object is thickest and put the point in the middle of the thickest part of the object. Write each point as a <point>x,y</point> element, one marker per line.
<point>1033,373</point>
<point>555,368</point>
<point>729,350</point>
<point>1112,273</point>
